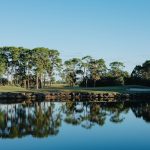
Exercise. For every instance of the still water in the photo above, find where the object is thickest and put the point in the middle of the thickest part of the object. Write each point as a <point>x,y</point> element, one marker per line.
<point>74,125</point>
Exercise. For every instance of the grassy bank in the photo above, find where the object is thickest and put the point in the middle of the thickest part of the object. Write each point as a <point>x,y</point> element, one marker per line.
<point>61,88</point>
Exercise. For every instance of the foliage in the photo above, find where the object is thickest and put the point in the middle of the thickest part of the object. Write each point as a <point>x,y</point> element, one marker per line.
<point>140,75</point>
<point>29,67</point>
<point>41,66</point>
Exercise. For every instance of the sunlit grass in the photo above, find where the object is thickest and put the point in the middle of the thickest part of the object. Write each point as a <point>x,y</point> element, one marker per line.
<point>65,88</point>
<point>11,89</point>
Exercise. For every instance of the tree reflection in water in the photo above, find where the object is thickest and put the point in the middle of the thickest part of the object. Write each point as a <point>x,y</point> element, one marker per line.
<point>45,119</point>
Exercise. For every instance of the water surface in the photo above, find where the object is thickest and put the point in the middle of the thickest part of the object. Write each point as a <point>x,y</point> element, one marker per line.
<point>74,125</point>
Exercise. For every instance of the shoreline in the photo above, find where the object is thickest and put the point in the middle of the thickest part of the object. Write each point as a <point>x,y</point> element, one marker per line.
<point>73,96</point>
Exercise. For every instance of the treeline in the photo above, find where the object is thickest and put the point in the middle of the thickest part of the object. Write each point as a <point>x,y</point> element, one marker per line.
<point>89,72</point>
<point>28,67</point>
<point>39,67</point>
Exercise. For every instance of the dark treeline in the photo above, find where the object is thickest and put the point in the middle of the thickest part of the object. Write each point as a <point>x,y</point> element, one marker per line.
<point>89,72</point>
<point>41,66</point>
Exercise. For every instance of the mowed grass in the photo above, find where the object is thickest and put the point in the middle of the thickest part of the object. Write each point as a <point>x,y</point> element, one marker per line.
<point>65,88</point>
<point>53,88</point>
<point>11,89</point>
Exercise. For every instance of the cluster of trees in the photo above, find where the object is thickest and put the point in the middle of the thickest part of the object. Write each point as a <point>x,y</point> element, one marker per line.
<point>28,68</point>
<point>39,66</point>
<point>140,75</point>
<point>89,72</point>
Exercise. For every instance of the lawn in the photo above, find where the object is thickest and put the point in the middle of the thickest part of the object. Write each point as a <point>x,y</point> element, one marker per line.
<point>65,88</point>
<point>11,89</point>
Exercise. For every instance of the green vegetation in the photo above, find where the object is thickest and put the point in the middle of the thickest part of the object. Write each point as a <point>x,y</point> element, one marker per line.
<point>28,68</point>
<point>65,88</point>
<point>8,88</point>
<point>38,68</point>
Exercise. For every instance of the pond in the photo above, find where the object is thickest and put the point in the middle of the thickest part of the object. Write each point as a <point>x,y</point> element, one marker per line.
<point>75,125</point>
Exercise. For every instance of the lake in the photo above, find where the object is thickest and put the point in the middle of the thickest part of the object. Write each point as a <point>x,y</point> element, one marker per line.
<point>75,125</point>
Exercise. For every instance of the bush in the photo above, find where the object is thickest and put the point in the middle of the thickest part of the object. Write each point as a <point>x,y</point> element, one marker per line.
<point>137,81</point>
<point>105,81</point>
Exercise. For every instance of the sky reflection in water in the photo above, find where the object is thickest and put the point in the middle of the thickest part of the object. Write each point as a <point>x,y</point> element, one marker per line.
<point>51,125</point>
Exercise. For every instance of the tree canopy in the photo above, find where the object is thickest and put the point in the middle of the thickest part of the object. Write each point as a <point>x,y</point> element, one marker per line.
<point>41,66</point>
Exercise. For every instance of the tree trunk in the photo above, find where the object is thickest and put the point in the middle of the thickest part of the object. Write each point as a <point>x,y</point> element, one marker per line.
<point>25,84</point>
<point>86,82</point>
<point>50,82</point>
<point>7,75</point>
<point>37,82</point>
<point>41,82</point>
<point>44,80</point>
<point>94,83</point>
<point>8,78</point>
<point>28,82</point>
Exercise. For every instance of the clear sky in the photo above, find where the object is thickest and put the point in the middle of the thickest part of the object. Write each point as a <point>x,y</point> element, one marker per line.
<point>110,29</point>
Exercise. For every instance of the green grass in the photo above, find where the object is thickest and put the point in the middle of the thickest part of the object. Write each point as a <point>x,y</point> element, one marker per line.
<point>11,89</point>
<point>65,88</point>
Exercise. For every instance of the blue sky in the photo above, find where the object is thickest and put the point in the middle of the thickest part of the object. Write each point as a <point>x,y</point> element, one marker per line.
<point>109,29</point>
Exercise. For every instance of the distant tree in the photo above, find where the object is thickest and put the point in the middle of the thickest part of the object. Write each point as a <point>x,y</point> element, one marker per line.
<point>146,69</point>
<point>71,67</point>
<point>3,62</point>
<point>97,69</point>
<point>55,63</point>
<point>137,72</point>
<point>40,59</point>
<point>141,74</point>
<point>26,65</point>
<point>116,68</point>
<point>14,61</point>
<point>84,66</point>
<point>142,71</point>
<point>117,71</point>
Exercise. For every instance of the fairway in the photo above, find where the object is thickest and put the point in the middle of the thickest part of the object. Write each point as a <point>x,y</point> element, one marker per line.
<point>65,88</point>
